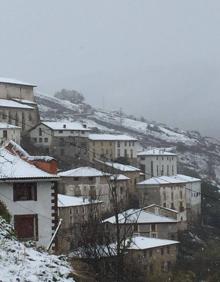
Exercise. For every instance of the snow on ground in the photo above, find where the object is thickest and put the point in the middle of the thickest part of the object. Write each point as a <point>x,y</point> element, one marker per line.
<point>19,263</point>
<point>143,128</point>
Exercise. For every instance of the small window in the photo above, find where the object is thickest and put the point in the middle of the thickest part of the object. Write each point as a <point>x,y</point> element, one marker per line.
<point>118,143</point>
<point>45,140</point>
<point>5,134</point>
<point>76,178</point>
<point>26,191</point>
<point>40,131</point>
<point>60,131</point>
<point>40,140</point>
<point>34,139</point>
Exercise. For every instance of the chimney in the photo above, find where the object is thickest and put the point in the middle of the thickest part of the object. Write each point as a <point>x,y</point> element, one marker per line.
<point>84,125</point>
<point>64,126</point>
<point>46,164</point>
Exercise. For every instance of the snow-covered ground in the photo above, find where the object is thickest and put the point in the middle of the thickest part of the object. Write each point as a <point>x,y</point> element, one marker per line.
<point>19,263</point>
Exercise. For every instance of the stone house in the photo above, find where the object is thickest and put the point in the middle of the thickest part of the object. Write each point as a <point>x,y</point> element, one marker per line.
<point>112,146</point>
<point>153,255</point>
<point>179,192</point>
<point>17,104</point>
<point>63,140</point>
<point>143,223</point>
<point>9,132</point>
<point>93,183</point>
<point>157,162</point>
<point>133,173</point>
<point>28,187</point>
<point>74,211</point>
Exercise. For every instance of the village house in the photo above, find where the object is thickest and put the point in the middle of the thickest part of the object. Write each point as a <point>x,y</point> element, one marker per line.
<point>112,147</point>
<point>74,212</point>
<point>28,188</point>
<point>153,255</point>
<point>178,192</point>
<point>143,223</point>
<point>63,140</point>
<point>9,132</point>
<point>133,173</point>
<point>157,162</point>
<point>95,184</point>
<point>17,104</point>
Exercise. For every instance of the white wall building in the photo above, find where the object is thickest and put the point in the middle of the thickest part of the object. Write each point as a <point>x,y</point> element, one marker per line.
<point>179,192</point>
<point>9,132</point>
<point>30,196</point>
<point>157,162</point>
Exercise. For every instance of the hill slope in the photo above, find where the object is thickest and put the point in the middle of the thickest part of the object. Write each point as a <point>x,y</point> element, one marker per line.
<point>196,153</point>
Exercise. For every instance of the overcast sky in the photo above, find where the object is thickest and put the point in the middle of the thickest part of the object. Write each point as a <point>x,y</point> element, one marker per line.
<point>156,58</point>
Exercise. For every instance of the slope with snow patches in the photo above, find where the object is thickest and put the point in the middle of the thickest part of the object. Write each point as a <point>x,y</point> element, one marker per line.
<point>198,153</point>
<point>25,264</point>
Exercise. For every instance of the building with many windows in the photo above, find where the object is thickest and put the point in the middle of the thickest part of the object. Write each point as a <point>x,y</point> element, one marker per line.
<point>17,104</point>
<point>112,147</point>
<point>157,162</point>
<point>179,192</point>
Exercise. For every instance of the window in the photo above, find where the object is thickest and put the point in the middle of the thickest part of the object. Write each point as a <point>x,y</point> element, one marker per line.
<point>168,249</point>
<point>172,206</point>
<point>142,158</point>
<point>168,170</point>
<point>26,226</point>
<point>40,131</point>
<point>76,178</point>
<point>181,194</point>
<point>172,170</point>
<point>118,153</point>
<point>45,140</point>
<point>153,227</point>
<point>164,205</point>
<point>172,195</point>
<point>152,168</point>
<point>40,140</point>
<point>91,178</point>
<point>157,170</point>
<point>60,131</point>
<point>151,253</point>
<point>118,143</point>
<point>131,153</point>
<point>5,134</point>
<point>34,139</point>
<point>125,143</point>
<point>26,191</point>
<point>181,207</point>
<point>125,153</point>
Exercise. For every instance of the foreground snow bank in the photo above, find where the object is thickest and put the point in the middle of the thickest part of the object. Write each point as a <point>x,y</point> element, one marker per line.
<point>24,264</point>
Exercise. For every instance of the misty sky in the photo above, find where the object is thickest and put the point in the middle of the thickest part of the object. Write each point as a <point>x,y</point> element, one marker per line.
<point>156,58</point>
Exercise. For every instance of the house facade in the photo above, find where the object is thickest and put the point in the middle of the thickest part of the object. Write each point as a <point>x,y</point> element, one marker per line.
<point>157,162</point>
<point>153,255</point>
<point>29,191</point>
<point>143,223</point>
<point>180,192</point>
<point>9,132</point>
<point>17,104</point>
<point>74,212</point>
<point>112,147</point>
<point>63,140</point>
<point>94,184</point>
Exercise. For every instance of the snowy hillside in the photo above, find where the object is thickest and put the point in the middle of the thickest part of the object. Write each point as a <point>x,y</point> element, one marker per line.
<point>198,153</point>
<point>24,264</point>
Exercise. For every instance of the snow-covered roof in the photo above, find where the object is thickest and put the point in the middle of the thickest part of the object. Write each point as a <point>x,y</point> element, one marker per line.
<point>175,179</point>
<point>82,172</point>
<point>13,104</point>
<point>111,137</point>
<point>143,243</point>
<point>12,167</point>
<point>156,152</point>
<point>4,125</point>
<point>65,125</point>
<point>164,208</point>
<point>15,81</point>
<point>122,167</point>
<point>71,201</point>
<point>119,177</point>
<point>23,101</point>
<point>139,216</point>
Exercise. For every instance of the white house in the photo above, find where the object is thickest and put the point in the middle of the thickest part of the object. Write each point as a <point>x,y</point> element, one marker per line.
<point>157,162</point>
<point>29,193</point>
<point>9,132</point>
